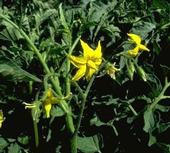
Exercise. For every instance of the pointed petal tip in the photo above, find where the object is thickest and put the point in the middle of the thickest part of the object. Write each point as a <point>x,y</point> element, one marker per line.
<point>81,41</point>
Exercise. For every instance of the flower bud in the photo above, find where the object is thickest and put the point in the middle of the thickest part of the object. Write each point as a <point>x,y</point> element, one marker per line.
<point>111,70</point>
<point>142,73</point>
<point>130,69</point>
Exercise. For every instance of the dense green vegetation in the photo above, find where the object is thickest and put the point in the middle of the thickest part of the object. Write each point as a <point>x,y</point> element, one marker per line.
<point>123,107</point>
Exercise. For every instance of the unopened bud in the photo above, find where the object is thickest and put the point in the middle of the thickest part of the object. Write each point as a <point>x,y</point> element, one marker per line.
<point>142,73</point>
<point>131,70</point>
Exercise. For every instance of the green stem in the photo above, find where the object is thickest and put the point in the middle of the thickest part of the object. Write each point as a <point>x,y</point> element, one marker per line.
<point>69,119</point>
<point>36,136</point>
<point>68,65</point>
<point>69,122</point>
<point>84,97</point>
<point>73,142</point>
<point>133,110</point>
<point>161,95</point>
<point>71,129</point>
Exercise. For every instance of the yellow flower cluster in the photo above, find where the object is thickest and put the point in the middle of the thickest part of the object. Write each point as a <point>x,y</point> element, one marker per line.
<point>88,63</point>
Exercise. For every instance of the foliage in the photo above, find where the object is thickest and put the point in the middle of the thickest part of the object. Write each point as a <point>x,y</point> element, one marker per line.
<point>121,107</point>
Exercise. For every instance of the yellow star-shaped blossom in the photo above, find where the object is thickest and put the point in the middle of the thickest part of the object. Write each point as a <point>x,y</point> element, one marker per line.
<point>139,47</point>
<point>49,100</point>
<point>88,63</point>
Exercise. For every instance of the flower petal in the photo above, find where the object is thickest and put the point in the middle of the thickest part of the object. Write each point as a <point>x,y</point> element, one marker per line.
<point>91,64</point>
<point>77,61</point>
<point>87,50</point>
<point>89,73</point>
<point>98,61</point>
<point>47,108</point>
<point>1,118</point>
<point>98,52</point>
<point>135,38</point>
<point>133,52</point>
<point>143,47</point>
<point>80,73</point>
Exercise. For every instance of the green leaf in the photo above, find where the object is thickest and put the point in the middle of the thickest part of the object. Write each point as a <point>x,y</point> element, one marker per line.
<point>3,143</point>
<point>143,28</point>
<point>165,70</point>
<point>88,144</point>
<point>16,73</point>
<point>165,147</point>
<point>96,121</point>
<point>48,14</point>
<point>163,127</point>
<point>149,121</point>
<point>62,18</point>
<point>152,140</point>
<point>14,148</point>
<point>112,31</point>
<point>57,112</point>
<point>23,140</point>
<point>10,33</point>
<point>156,45</point>
<point>162,108</point>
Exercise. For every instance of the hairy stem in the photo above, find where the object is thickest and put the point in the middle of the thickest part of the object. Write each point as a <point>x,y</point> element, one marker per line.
<point>84,98</point>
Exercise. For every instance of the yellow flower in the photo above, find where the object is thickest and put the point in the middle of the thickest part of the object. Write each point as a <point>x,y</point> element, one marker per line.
<point>88,63</point>
<point>137,40</point>
<point>111,70</point>
<point>49,100</point>
<point>1,118</point>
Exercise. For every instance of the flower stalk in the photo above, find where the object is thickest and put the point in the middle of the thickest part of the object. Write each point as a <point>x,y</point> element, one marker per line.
<point>84,99</point>
<point>36,135</point>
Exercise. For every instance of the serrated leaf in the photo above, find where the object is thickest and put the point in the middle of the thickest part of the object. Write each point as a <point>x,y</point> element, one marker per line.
<point>162,108</point>
<point>23,140</point>
<point>88,144</point>
<point>163,127</point>
<point>152,140</point>
<point>48,14</point>
<point>62,18</point>
<point>3,143</point>
<point>10,33</point>
<point>164,147</point>
<point>149,121</point>
<point>57,112</point>
<point>14,148</point>
<point>16,73</point>
<point>143,28</point>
